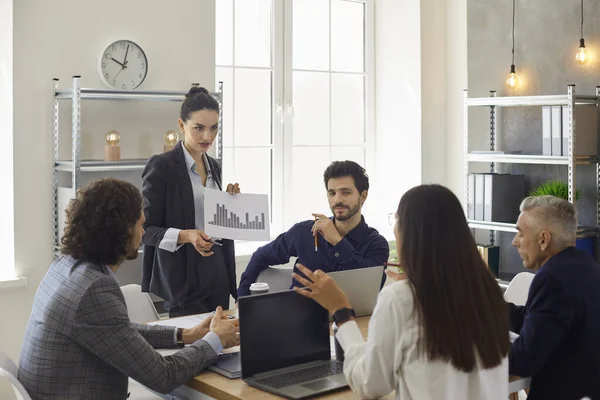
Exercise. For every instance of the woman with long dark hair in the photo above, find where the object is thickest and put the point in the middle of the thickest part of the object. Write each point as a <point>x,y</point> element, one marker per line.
<point>441,330</point>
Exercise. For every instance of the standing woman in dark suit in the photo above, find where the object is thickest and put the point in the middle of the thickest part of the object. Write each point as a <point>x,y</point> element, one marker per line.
<point>181,263</point>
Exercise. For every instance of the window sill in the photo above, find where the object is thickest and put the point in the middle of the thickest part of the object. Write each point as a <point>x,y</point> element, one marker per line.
<point>12,282</point>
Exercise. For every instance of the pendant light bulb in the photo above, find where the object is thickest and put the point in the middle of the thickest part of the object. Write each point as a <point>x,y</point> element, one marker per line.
<point>513,79</point>
<point>581,57</point>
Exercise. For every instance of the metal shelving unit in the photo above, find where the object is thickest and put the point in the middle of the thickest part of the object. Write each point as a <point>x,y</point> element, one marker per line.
<point>76,165</point>
<point>570,100</point>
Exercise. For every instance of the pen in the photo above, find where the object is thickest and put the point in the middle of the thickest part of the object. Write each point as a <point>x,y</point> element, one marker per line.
<point>316,238</point>
<point>215,242</point>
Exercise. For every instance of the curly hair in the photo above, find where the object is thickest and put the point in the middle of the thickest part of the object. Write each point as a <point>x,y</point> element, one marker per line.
<point>98,222</point>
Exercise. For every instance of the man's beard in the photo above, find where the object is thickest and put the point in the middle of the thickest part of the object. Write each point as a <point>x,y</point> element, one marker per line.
<point>132,255</point>
<point>351,212</point>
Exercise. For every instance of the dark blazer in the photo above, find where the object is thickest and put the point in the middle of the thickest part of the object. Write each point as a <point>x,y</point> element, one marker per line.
<point>169,203</point>
<point>559,327</point>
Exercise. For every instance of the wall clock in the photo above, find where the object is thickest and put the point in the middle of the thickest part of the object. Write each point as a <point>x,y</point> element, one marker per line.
<point>123,65</point>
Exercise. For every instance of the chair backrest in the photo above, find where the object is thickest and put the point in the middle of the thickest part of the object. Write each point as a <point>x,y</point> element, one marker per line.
<point>8,370</point>
<point>278,278</point>
<point>139,306</point>
<point>518,288</point>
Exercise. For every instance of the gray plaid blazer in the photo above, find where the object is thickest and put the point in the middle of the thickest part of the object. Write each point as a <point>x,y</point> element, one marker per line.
<point>80,344</point>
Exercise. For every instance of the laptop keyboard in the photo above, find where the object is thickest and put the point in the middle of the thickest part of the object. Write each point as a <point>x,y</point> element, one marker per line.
<point>303,375</point>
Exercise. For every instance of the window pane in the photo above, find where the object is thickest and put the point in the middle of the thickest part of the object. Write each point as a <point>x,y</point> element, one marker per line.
<point>253,105</point>
<point>253,170</point>
<point>253,33</point>
<point>347,109</point>
<point>228,166</point>
<point>310,34</point>
<point>347,36</point>
<point>311,108</point>
<point>225,75</point>
<point>308,190</point>
<point>352,153</point>
<point>224,32</point>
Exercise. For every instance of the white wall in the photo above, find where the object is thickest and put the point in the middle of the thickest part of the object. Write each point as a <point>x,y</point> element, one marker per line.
<point>421,71</point>
<point>61,41</point>
<point>397,107</point>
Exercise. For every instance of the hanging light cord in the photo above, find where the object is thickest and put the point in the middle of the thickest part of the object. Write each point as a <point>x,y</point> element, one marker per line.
<point>582,19</point>
<point>513,31</point>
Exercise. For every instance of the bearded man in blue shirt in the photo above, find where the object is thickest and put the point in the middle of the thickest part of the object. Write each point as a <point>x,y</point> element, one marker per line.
<point>343,242</point>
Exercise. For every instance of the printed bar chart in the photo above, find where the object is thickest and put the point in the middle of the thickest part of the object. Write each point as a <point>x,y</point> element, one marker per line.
<point>226,219</point>
<point>242,216</point>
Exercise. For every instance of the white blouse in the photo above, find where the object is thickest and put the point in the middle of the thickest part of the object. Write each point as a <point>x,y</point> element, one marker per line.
<point>389,360</point>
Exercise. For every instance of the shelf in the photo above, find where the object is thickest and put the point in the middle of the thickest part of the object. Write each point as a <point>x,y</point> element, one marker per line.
<point>582,231</point>
<point>99,94</point>
<point>512,101</point>
<point>528,159</point>
<point>103,166</point>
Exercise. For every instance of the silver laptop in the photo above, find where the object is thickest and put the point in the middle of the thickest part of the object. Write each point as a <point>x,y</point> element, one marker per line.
<point>285,346</point>
<point>362,287</point>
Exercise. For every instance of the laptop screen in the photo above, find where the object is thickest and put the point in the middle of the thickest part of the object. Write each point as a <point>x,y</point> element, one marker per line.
<point>279,330</point>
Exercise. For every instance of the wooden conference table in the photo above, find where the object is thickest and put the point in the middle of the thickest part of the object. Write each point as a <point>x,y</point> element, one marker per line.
<point>213,385</point>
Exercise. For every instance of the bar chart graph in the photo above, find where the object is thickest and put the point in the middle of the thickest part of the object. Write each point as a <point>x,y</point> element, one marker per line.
<point>243,216</point>
<point>227,219</point>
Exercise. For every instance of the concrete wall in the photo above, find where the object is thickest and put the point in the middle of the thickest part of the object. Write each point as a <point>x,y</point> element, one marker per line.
<point>546,40</point>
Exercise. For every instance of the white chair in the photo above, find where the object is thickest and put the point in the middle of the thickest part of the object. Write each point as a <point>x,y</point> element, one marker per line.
<point>139,306</point>
<point>8,370</point>
<point>278,278</point>
<point>518,288</point>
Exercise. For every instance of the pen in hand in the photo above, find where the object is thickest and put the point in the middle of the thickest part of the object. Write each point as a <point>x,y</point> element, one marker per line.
<point>213,241</point>
<point>316,238</point>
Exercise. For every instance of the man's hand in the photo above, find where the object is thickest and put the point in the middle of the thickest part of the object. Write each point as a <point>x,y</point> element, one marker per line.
<point>233,188</point>
<point>327,229</point>
<point>190,335</point>
<point>227,329</point>
<point>322,289</point>
<point>200,240</point>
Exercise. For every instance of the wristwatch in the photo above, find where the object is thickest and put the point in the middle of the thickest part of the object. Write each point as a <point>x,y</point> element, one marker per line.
<point>342,315</point>
<point>180,337</point>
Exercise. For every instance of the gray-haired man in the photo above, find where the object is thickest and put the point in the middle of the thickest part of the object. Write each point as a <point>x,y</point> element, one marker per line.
<point>559,326</point>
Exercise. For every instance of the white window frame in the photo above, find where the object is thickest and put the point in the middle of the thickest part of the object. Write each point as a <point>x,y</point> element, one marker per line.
<point>8,273</point>
<point>282,111</point>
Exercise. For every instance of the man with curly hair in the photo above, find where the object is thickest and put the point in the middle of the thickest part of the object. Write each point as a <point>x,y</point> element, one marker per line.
<point>80,343</point>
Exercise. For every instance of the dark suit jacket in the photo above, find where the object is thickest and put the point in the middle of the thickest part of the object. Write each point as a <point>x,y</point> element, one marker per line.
<point>169,203</point>
<point>559,327</point>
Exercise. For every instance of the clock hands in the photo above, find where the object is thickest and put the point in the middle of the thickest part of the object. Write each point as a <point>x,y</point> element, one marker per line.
<point>121,64</point>
<point>125,59</point>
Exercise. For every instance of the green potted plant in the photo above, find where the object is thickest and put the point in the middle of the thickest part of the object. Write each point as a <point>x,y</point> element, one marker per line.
<point>555,188</point>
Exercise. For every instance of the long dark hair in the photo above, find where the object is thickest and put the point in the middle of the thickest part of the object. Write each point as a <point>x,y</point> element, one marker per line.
<point>457,300</point>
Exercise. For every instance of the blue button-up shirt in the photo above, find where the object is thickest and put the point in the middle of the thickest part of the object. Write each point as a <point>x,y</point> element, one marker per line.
<point>361,247</point>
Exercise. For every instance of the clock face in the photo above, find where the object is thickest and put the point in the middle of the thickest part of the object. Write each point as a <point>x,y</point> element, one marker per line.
<point>123,65</point>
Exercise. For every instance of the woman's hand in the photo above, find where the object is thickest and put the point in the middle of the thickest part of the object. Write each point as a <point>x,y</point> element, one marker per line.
<point>200,240</point>
<point>395,274</point>
<point>233,188</point>
<point>322,289</point>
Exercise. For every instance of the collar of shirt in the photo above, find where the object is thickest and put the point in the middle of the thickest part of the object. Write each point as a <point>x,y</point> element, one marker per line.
<point>357,233</point>
<point>191,164</point>
<point>112,273</point>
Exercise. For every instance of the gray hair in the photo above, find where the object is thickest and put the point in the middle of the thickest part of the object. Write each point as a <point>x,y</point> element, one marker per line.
<point>555,215</point>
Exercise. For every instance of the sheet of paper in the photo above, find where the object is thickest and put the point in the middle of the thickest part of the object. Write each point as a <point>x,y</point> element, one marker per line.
<point>239,217</point>
<point>182,322</point>
<point>512,336</point>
